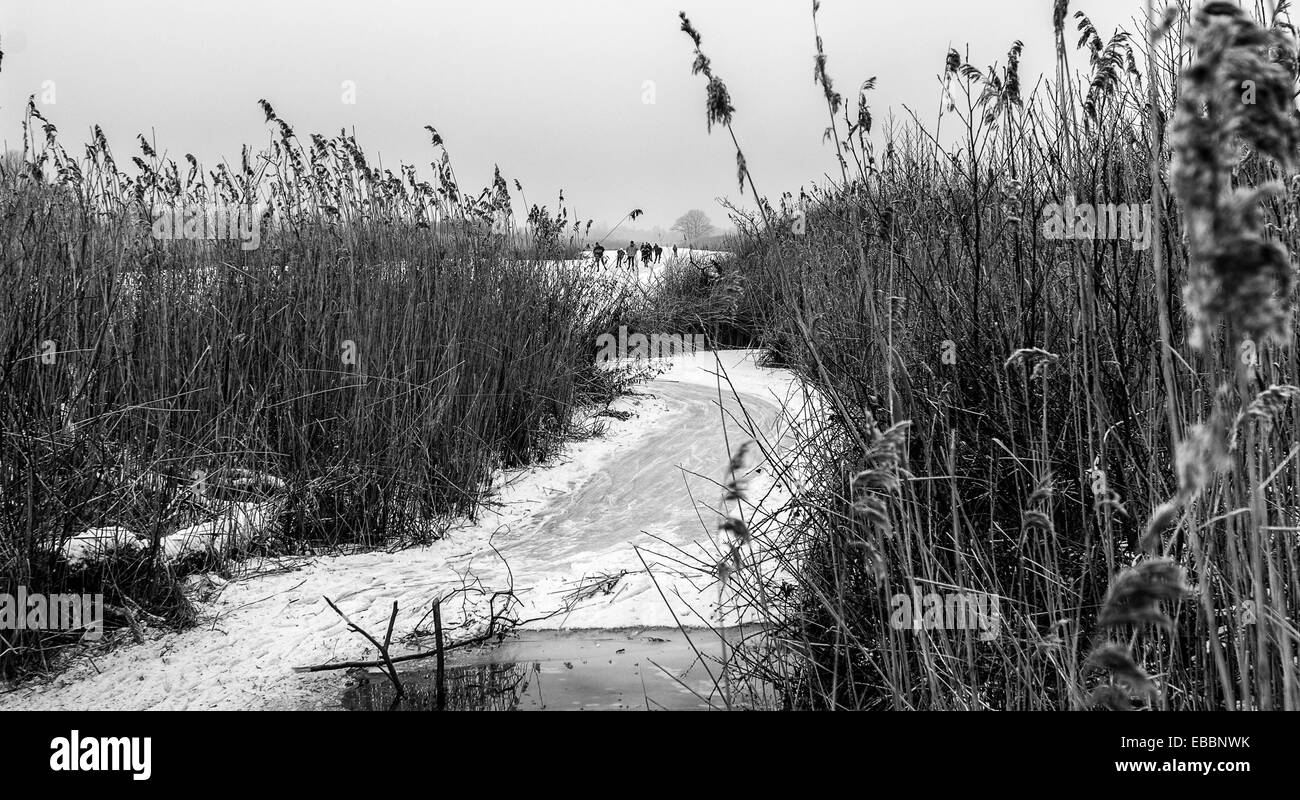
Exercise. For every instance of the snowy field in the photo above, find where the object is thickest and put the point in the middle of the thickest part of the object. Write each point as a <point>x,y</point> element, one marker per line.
<point>620,532</point>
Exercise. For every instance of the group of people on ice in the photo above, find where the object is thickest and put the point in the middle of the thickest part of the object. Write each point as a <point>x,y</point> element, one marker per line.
<point>650,254</point>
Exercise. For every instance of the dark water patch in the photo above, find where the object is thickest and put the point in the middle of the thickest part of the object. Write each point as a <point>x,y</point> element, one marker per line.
<point>645,669</point>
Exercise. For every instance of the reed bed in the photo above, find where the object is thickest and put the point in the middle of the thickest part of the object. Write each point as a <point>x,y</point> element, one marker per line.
<point>1099,432</point>
<point>388,345</point>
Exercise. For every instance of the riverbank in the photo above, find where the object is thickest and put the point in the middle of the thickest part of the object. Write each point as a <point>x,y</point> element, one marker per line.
<point>597,539</point>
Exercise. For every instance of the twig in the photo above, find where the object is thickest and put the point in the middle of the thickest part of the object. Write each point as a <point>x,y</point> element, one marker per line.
<point>389,669</point>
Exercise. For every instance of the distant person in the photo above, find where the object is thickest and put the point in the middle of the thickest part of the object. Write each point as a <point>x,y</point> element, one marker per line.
<point>646,253</point>
<point>599,253</point>
<point>619,262</point>
<point>674,251</point>
<point>631,255</point>
<point>659,253</point>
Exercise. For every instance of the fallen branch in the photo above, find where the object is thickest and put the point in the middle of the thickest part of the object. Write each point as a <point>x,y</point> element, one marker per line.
<point>492,632</point>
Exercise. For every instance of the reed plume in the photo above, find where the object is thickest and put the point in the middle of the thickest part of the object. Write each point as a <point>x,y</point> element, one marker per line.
<point>1238,88</point>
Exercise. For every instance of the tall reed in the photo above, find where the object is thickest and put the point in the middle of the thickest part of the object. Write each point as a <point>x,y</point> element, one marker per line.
<point>1043,405</point>
<point>389,344</point>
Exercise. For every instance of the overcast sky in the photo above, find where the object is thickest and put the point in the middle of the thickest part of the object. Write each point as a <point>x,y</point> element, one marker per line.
<point>554,91</point>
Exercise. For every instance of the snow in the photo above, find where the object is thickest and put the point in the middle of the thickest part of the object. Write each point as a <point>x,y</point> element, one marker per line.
<point>237,525</point>
<point>97,543</point>
<point>619,532</point>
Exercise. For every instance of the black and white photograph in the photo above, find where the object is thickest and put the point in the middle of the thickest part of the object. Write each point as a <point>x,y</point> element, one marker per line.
<point>768,356</point>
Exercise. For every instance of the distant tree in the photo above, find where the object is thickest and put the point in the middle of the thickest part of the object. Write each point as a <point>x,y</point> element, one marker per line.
<point>693,224</point>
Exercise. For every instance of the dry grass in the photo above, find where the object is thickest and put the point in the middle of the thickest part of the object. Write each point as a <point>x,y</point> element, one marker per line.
<point>388,345</point>
<point>997,413</point>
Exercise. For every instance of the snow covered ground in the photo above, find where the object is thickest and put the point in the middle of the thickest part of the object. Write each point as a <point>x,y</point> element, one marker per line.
<point>618,533</point>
